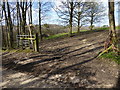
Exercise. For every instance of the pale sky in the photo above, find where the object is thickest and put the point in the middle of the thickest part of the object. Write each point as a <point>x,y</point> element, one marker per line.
<point>52,17</point>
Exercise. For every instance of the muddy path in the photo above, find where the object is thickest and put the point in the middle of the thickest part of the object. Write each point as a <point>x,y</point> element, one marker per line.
<point>63,62</point>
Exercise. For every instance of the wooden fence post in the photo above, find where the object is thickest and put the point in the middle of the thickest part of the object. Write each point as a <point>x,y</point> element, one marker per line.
<point>36,44</point>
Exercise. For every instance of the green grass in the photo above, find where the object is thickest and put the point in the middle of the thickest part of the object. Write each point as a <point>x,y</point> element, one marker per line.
<point>118,27</point>
<point>83,30</point>
<point>18,50</point>
<point>113,56</point>
<point>62,35</point>
<point>65,34</point>
<point>56,36</point>
<point>106,28</point>
<point>102,28</point>
<point>25,50</point>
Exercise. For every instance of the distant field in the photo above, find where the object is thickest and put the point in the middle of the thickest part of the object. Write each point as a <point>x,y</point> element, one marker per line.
<point>75,32</point>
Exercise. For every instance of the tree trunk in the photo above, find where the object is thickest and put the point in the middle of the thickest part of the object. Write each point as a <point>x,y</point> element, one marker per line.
<point>20,19</point>
<point>78,18</point>
<point>112,31</point>
<point>78,22</point>
<point>71,17</point>
<point>40,21</point>
<point>23,19</point>
<point>18,32</point>
<point>91,23</point>
<point>3,32</point>
<point>10,26</point>
<point>30,21</point>
<point>6,22</point>
<point>78,27</point>
<point>24,9</point>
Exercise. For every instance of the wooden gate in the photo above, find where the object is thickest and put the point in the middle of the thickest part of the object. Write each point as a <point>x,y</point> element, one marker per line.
<point>28,41</point>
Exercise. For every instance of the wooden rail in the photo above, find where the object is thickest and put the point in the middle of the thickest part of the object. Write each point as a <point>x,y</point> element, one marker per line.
<point>33,38</point>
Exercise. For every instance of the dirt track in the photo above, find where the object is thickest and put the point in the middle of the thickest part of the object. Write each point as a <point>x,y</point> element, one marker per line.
<point>68,62</point>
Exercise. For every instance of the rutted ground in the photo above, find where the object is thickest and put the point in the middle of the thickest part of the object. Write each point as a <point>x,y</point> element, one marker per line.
<point>68,62</point>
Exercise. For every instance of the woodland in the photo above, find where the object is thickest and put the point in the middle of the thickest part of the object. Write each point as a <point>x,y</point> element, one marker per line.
<point>60,45</point>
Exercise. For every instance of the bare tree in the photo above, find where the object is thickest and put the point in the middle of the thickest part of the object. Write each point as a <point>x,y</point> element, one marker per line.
<point>66,12</point>
<point>112,42</point>
<point>19,19</point>
<point>10,26</point>
<point>8,20</point>
<point>44,8</point>
<point>40,20</point>
<point>95,13</point>
<point>112,31</point>
<point>79,14</point>
<point>1,27</point>
<point>30,13</point>
<point>113,35</point>
<point>24,8</point>
<point>17,5</point>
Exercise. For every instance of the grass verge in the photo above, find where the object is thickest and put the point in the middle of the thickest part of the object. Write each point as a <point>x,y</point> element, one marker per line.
<point>112,55</point>
<point>118,27</point>
<point>102,28</point>
<point>75,32</point>
<point>18,50</point>
<point>57,36</point>
<point>63,35</point>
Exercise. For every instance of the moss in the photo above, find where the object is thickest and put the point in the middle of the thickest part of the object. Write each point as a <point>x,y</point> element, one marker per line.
<point>18,50</point>
<point>25,50</point>
<point>112,55</point>
<point>9,50</point>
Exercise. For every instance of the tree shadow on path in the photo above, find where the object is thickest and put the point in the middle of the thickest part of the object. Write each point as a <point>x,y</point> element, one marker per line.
<point>61,70</point>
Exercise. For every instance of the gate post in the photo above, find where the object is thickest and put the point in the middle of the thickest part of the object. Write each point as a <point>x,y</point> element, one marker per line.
<point>36,45</point>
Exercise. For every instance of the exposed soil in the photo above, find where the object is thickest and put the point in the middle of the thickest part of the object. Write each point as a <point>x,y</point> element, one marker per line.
<point>62,62</point>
